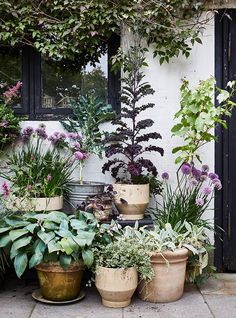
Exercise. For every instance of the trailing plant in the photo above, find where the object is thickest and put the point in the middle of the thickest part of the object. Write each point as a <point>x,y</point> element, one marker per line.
<point>41,165</point>
<point>9,123</point>
<point>127,250</point>
<point>127,144</point>
<point>198,116</point>
<point>189,199</point>
<point>34,238</point>
<point>79,31</point>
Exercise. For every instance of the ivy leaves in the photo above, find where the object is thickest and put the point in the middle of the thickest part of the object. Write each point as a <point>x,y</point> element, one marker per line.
<point>198,115</point>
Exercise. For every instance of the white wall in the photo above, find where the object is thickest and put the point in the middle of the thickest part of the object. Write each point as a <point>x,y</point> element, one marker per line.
<point>166,80</point>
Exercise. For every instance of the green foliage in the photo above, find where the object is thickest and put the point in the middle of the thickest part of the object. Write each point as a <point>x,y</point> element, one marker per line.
<point>88,113</point>
<point>63,29</point>
<point>198,116</point>
<point>34,238</point>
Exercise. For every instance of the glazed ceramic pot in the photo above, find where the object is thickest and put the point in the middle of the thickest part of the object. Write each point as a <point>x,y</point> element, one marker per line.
<point>37,204</point>
<point>131,200</point>
<point>57,284</point>
<point>168,283</point>
<point>116,285</point>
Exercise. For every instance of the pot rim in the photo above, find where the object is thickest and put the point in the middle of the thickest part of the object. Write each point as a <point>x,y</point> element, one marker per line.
<point>41,198</point>
<point>56,267</point>
<point>132,184</point>
<point>178,255</point>
<point>87,183</point>
<point>115,268</point>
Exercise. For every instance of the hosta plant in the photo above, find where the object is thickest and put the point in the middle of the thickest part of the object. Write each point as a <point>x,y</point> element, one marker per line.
<point>128,145</point>
<point>40,165</point>
<point>34,238</point>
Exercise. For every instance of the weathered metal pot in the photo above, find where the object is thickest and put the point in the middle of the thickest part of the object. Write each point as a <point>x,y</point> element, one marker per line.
<point>57,284</point>
<point>116,285</point>
<point>37,204</point>
<point>131,200</point>
<point>168,283</point>
<point>79,193</point>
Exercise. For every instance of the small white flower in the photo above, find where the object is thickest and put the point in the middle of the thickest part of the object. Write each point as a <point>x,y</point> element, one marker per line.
<point>230,84</point>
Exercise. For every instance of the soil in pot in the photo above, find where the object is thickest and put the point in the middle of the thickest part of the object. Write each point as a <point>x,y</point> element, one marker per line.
<point>131,200</point>
<point>57,284</point>
<point>168,283</point>
<point>116,285</point>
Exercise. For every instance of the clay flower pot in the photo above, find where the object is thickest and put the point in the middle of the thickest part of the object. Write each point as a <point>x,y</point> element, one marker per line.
<point>168,283</point>
<point>116,285</point>
<point>131,200</point>
<point>57,284</point>
<point>37,204</point>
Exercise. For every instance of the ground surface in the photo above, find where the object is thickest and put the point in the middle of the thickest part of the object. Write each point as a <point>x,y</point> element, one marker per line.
<point>216,299</point>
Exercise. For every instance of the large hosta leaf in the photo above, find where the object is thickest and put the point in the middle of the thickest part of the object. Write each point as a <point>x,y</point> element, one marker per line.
<point>46,237</point>
<point>78,224</point>
<point>4,229</point>
<point>20,263</point>
<point>53,246</point>
<point>65,261</point>
<point>24,241</point>
<point>35,259</point>
<point>84,238</point>
<point>5,240</point>
<point>15,234</point>
<point>88,257</point>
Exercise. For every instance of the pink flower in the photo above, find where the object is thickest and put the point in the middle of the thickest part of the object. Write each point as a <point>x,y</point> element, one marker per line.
<point>5,189</point>
<point>79,155</point>
<point>199,202</point>
<point>4,123</point>
<point>207,190</point>
<point>49,177</point>
<point>12,91</point>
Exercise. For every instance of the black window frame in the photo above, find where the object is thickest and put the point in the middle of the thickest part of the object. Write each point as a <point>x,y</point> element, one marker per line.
<point>31,106</point>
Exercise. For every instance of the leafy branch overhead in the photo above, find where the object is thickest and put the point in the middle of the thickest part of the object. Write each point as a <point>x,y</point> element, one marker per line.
<point>126,146</point>
<point>198,116</point>
<point>80,30</point>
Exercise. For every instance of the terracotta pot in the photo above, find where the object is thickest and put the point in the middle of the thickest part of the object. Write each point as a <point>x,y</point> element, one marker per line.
<point>38,204</point>
<point>116,285</point>
<point>168,282</point>
<point>136,197</point>
<point>57,284</point>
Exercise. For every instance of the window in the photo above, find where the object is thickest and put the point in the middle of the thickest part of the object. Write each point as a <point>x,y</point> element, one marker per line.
<point>48,86</point>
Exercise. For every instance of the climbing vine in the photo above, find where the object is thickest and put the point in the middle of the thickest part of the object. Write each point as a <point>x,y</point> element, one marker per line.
<point>79,30</point>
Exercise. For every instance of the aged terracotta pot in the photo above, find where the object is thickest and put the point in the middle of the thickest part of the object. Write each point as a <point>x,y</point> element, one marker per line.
<point>38,204</point>
<point>136,199</point>
<point>116,285</point>
<point>57,284</point>
<point>168,283</point>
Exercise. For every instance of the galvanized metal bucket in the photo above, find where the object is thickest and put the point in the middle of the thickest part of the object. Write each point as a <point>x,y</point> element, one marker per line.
<point>79,193</point>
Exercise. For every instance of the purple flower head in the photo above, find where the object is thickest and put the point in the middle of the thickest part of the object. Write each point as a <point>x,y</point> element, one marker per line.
<point>27,132</point>
<point>76,146</point>
<point>216,180</point>
<point>134,169</point>
<point>203,177</point>
<point>165,176</point>
<point>79,155</point>
<point>194,182</point>
<point>56,137</point>
<point>207,190</point>
<point>218,185</point>
<point>74,136</point>
<point>41,132</point>
<point>213,176</point>
<point>62,136</point>
<point>49,177</point>
<point>196,173</point>
<point>205,168</point>
<point>5,189</point>
<point>4,123</point>
<point>199,202</point>
<point>185,168</point>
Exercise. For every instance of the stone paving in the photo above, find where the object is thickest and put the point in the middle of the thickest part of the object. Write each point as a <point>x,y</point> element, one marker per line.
<point>216,299</point>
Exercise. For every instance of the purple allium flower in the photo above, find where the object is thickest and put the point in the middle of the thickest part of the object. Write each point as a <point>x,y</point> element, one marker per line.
<point>79,155</point>
<point>203,177</point>
<point>216,180</point>
<point>49,177</point>
<point>41,132</point>
<point>27,132</point>
<point>213,176</point>
<point>165,176</point>
<point>62,136</point>
<point>4,123</point>
<point>205,168</point>
<point>6,189</point>
<point>207,190</point>
<point>218,186</point>
<point>196,173</point>
<point>76,146</point>
<point>199,202</point>
<point>185,168</point>
<point>73,136</point>
<point>194,182</point>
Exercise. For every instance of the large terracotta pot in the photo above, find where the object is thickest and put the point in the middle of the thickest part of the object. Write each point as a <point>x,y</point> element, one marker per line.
<point>58,284</point>
<point>116,285</point>
<point>168,283</point>
<point>37,204</point>
<point>131,200</point>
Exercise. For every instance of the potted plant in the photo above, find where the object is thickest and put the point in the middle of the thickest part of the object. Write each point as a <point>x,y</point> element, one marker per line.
<point>117,266</point>
<point>9,123</point>
<point>88,113</point>
<point>101,204</point>
<point>170,248</point>
<point>56,244</point>
<point>38,171</point>
<point>127,144</point>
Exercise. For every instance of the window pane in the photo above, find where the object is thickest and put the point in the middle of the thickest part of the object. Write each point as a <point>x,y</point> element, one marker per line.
<point>10,70</point>
<point>59,84</point>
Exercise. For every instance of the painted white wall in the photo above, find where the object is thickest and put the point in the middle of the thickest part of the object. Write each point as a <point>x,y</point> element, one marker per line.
<point>166,81</point>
